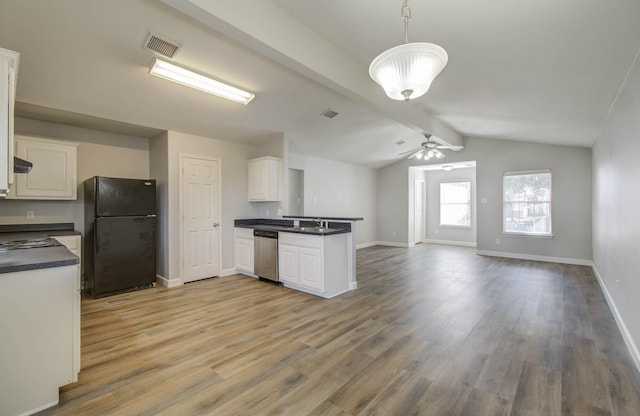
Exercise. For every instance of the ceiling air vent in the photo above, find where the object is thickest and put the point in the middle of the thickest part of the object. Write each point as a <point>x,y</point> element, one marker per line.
<point>161,46</point>
<point>329,113</point>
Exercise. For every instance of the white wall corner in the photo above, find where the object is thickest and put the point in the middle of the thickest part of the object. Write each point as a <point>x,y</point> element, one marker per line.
<point>626,335</point>
<point>353,285</point>
<point>228,272</point>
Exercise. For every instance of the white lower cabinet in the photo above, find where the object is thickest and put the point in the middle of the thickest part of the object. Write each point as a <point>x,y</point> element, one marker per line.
<point>243,250</point>
<point>311,268</point>
<point>314,264</point>
<point>73,244</point>
<point>37,327</point>
<point>288,263</point>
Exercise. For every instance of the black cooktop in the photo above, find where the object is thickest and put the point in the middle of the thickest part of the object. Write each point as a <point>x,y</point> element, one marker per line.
<point>28,243</point>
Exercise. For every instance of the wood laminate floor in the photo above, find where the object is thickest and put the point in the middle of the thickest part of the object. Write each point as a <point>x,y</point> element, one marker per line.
<point>431,330</point>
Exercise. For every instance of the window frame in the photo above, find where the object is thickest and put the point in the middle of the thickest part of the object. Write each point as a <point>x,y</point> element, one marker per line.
<point>468,204</point>
<point>549,201</point>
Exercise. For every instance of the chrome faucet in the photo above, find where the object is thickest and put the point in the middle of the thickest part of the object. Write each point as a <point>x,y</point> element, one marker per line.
<point>318,222</point>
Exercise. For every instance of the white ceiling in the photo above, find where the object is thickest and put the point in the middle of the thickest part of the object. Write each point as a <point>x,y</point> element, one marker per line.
<point>543,71</point>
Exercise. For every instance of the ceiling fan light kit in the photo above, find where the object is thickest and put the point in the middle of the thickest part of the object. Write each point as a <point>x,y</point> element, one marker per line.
<point>406,71</point>
<point>430,149</point>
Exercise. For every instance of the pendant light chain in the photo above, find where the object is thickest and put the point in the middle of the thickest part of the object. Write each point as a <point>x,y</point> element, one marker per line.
<point>405,15</point>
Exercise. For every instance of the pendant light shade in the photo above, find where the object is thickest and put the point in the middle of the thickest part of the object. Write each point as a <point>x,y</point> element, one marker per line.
<point>406,72</point>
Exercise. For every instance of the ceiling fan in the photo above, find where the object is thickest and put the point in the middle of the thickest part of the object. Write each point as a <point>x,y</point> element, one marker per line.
<point>430,149</point>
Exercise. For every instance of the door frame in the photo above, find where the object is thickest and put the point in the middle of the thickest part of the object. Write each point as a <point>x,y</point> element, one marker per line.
<point>182,156</point>
<point>423,223</point>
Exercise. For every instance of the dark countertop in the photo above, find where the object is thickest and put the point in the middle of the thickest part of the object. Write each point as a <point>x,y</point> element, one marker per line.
<point>64,228</point>
<point>35,258</point>
<point>286,226</point>
<point>326,218</point>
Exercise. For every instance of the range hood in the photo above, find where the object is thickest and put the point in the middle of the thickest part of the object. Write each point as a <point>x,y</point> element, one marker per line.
<point>21,165</point>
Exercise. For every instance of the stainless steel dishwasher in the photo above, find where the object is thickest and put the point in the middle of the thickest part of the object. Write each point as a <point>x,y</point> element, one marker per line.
<point>265,255</point>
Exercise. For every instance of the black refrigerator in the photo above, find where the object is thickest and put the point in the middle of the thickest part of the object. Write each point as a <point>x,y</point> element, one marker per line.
<point>120,235</point>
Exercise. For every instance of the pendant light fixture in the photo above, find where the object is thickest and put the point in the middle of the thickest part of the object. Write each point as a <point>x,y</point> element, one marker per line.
<point>406,71</point>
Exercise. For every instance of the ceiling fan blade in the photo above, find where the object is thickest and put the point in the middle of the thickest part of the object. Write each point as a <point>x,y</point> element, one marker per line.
<point>416,150</point>
<point>454,148</point>
<point>415,154</point>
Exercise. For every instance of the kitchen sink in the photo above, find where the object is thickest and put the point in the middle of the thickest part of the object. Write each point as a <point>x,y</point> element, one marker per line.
<point>312,229</point>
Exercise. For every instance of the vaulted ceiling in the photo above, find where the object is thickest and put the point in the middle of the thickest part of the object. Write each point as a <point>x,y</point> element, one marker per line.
<point>544,71</point>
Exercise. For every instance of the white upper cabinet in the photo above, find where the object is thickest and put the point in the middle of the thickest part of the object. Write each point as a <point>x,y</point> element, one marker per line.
<point>53,175</point>
<point>8,78</point>
<point>264,179</point>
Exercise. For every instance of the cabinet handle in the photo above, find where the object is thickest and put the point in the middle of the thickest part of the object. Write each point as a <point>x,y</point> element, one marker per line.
<point>215,225</point>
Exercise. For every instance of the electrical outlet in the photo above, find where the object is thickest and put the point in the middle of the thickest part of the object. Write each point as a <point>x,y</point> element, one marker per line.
<point>267,213</point>
<point>497,241</point>
<point>617,285</point>
<point>437,231</point>
<point>393,233</point>
<point>30,215</point>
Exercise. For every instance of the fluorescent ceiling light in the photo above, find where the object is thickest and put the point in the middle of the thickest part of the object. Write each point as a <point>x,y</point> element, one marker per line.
<point>183,76</point>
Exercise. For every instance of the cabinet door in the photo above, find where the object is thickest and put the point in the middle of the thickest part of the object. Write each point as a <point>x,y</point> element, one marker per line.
<point>264,179</point>
<point>257,180</point>
<point>244,254</point>
<point>288,263</point>
<point>72,243</point>
<point>311,268</point>
<point>53,175</point>
<point>8,62</point>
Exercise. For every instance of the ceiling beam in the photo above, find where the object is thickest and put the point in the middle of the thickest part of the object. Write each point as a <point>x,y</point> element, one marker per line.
<point>267,29</point>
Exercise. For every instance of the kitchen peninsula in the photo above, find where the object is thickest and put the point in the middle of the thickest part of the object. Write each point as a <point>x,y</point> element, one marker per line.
<point>39,315</point>
<point>315,255</point>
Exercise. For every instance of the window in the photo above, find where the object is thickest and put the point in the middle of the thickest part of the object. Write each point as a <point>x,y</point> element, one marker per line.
<point>455,203</point>
<point>527,203</point>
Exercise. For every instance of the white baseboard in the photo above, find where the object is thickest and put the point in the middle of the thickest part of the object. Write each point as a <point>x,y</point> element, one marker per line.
<point>168,282</point>
<point>549,259</point>
<point>626,335</point>
<point>365,245</point>
<point>386,243</point>
<point>228,272</point>
<point>353,285</point>
<point>451,243</point>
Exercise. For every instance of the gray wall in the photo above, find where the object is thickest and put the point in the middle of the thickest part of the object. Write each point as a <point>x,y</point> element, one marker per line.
<point>616,209</point>
<point>336,189</point>
<point>159,169</point>
<point>99,153</point>
<point>234,190</point>
<point>571,167</point>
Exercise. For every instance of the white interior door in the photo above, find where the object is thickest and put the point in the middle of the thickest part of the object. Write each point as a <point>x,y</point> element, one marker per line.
<point>419,212</point>
<point>201,218</point>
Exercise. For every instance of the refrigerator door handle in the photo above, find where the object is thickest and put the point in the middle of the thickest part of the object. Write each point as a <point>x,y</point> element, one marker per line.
<point>152,215</point>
